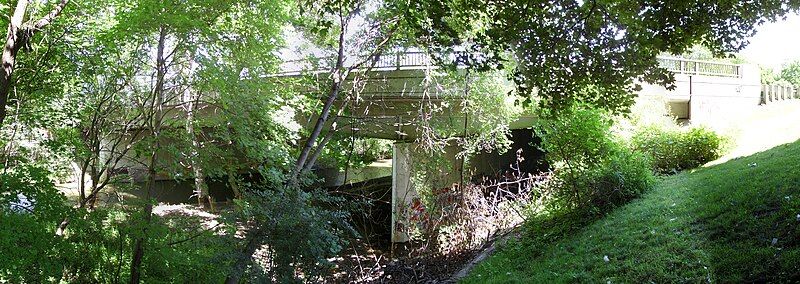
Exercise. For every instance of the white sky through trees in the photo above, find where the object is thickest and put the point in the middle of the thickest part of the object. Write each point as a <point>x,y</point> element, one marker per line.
<point>775,43</point>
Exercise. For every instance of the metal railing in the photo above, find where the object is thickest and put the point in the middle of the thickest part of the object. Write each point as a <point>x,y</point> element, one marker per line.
<point>412,60</point>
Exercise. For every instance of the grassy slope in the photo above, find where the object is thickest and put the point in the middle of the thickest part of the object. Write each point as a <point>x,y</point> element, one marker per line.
<point>712,224</point>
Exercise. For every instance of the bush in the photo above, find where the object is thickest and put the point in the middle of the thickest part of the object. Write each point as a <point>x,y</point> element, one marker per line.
<point>301,230</point>
<point>674,149</point>
<point>28,244</point>
<point>593,171</point>
<point>619,178</point>
<point>622,177</point>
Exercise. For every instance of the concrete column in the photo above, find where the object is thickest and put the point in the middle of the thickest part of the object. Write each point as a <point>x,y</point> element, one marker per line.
<point>404,194</point>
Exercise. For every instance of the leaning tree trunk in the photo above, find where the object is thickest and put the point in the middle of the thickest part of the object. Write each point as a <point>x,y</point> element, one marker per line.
<point>14,41</point>
<point>306,159</point>
<point>336,87</point>
<point>18,34</point>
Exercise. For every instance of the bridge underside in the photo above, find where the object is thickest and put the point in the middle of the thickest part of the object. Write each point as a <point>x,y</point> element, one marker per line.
<point>399,105</point>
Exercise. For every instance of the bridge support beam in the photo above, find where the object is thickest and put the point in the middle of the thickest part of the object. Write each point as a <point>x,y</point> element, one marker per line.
<point>405,199</point>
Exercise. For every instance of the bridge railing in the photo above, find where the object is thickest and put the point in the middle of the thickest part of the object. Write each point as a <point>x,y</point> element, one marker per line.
<point>392,61</point>
<point>699,67</point>
<point>411,60</point>
<point>774,93</point>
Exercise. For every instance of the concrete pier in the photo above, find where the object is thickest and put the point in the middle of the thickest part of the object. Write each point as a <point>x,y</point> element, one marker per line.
<point>405,199</point>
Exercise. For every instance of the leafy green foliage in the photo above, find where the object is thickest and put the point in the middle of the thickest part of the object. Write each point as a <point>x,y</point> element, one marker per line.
<point>673,149</point>
<point>95,245</point>
<point>619,177</point>
<point>490,105</point>
<point>768,75</point>
<point>301,230</point>
<point>27,240</point>
<point>580,136</point>
<point>561,47</point>
<point>355,152</point>
<point>592,171</point>
<point>623,176</point>
<point>791,73</point>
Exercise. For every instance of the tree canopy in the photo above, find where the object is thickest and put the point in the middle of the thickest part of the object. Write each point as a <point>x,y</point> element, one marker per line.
<point>596,52</point>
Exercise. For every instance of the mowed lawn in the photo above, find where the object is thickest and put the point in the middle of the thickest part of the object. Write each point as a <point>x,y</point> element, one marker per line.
<point>736,221</point>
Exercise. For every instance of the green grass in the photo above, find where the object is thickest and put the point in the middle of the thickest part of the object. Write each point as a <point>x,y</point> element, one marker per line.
<point>714,224</point>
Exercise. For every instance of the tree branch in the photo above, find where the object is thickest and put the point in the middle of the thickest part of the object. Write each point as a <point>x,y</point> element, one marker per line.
<point>47,19</point>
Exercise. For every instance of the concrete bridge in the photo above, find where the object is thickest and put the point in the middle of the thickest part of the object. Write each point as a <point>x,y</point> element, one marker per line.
<point>389,98</point>
<point>390,94</point>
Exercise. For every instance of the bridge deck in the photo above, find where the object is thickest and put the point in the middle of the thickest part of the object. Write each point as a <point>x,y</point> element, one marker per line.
<point>390,96</point>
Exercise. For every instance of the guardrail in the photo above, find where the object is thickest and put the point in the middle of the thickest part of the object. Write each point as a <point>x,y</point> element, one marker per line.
<point>699,67</point>
<point>412,60</point>
<point>774,93</point>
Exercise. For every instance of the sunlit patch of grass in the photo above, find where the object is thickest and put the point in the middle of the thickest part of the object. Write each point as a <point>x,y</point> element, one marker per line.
<point>732,222</point>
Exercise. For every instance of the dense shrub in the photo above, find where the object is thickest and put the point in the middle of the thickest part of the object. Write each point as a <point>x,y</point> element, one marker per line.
<point>28,245</point>
<point>622,176</point>
<point>302,229</point>
<point>675,149</point>
<point>593,171</point>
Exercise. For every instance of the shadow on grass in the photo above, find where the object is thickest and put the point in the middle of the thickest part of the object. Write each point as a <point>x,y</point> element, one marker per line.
<point>738,221</point>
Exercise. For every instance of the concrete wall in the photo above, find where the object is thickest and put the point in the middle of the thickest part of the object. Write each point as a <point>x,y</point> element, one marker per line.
<point>711,99</point>
<point>716,100</point>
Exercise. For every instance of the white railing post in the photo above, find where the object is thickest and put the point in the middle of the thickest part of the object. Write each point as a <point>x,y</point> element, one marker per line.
<point>399,55</point>
<point>772,92</point>
<point>766,94</point>
<point>783,93</point>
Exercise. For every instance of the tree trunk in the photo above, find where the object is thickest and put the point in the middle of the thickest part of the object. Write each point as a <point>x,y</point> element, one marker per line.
<point>14,41</point>
<point>339,74</point>
<point>326,109</point>
<point>321,146</point>
<point>233,183</point>
<point>16,37</point>
<point>158,93</point>
<point>200,187</point>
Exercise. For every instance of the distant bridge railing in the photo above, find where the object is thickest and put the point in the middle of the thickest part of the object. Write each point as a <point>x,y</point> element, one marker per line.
<point>415,60</point>
<point>774,93</point>
<point>699,67</point>
<point>409,60</point>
